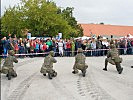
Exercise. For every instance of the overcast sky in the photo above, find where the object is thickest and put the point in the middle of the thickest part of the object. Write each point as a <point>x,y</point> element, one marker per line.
<point>115,12</point>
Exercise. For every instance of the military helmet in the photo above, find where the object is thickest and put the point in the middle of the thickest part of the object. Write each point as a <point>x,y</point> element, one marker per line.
<point>80,50</point>
<point>11,52</point>
<point>112,46</point>
<point>51,53</point>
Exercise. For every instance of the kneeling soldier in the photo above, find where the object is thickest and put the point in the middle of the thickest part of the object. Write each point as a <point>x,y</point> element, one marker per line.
<point>113,58</point>
<point>7,67</point>
<point>80,63</point>
<point>47,66</point>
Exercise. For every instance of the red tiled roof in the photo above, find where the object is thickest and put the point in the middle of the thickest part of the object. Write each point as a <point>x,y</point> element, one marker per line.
<point>99,29</point>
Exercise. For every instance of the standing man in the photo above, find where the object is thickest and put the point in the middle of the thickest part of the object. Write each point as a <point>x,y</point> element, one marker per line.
<point>60,47</point>
<point>113,58</point>
<point>47,66</point>
<point>73,47</point>
<point>5,45</point>
<point>68,45</point>
<point>80,63</point>
<point>8,65</point>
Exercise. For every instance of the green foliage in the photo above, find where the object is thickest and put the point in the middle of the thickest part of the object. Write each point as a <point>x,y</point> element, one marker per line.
<point>41,18</point>
<point>68,16</point>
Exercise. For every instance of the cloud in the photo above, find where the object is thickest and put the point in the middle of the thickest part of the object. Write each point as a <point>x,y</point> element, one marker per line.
<point>95,11</point>
<point>6,3</point>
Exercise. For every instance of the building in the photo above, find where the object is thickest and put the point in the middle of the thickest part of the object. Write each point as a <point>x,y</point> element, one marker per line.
<point>106,30</point>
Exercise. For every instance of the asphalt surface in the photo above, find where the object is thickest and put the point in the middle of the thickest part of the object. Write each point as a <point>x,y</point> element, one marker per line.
<point>97,85</point>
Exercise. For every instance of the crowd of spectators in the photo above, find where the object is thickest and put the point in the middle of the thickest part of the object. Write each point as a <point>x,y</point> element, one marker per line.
<point>95,46</point>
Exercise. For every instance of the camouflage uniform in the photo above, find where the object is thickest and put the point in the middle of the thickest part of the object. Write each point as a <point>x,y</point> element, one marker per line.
<point>80,63</point>
<point>113,58</point>
<point>47,66</point>
<point>7,67</point>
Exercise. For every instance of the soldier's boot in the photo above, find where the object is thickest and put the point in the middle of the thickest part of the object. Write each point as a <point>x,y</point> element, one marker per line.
<point>121,71</point>
<point>54,74</point>
<point>105,69</point>
<point>49,75</point>
<point>83,73</point>
<point>75,71</point>
<point>131,66</point>
<point>106,63</point>
<point>118,67</point>
<point>44,74</point>
<point>6,75</point>
<point>14,74</point>
<point>9,76</point>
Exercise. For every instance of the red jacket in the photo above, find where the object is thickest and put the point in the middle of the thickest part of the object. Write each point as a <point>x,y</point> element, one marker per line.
<point>44,46</point>
<point>68,45</point>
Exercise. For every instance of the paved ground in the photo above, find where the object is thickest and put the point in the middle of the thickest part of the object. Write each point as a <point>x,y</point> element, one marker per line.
<point>97,85</point>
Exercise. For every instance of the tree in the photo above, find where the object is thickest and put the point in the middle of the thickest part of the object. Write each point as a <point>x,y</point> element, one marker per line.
<point>102,23</point>
<point>40,17</point>
<point>10,21</point>
<point>68,16</point>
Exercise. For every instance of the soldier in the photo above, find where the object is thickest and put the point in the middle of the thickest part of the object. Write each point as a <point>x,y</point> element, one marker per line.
<point>7,67</point>
<point>113,58</point>
<point>80,63</point>
<point>47,66</point>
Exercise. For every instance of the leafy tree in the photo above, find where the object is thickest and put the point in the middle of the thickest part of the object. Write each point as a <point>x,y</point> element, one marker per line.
<point>68,16</point>
<point>102,23</point>
<point>40,17</point>
<point>10,21</point>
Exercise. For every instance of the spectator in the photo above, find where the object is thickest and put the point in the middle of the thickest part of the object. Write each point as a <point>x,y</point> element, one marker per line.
<point>88,48</point>
<point>65,47</point>
<point>93,46</point>
<point>60,47</point>
<point>21,50</point>
<point>5,44</point>
<point>105,45</point>
<point>68,45</point>
<point>73,47</point>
